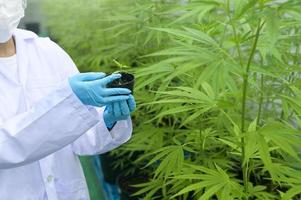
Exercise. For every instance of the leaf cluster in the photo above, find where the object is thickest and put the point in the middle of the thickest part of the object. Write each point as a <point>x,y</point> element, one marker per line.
<point>218,90</point>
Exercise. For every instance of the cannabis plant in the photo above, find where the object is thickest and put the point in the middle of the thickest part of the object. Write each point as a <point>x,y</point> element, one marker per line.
<point>218,89</point>
<point>97,32</point>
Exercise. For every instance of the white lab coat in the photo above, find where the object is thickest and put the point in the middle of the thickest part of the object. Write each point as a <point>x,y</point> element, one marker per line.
<point>44,126</point>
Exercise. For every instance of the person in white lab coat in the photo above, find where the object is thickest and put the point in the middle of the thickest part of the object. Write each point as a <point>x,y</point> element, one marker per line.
<point>50,113</point>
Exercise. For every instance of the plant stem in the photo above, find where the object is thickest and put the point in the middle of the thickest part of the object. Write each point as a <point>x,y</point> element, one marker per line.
<point>244,102</point>
<point>260,99</point>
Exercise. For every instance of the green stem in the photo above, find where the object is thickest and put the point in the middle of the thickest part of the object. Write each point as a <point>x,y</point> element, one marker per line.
<point>244,101</point>
<point>246,78</point>
<point>260,99</point>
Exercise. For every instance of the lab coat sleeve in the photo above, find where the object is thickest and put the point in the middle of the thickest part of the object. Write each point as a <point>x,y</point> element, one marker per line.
<point>98,139</point>
<point>51,124</point>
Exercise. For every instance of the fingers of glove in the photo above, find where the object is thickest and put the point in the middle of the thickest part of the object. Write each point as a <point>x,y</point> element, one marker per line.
<point>109,109</point>
<point>109,79</point>
<point>125,110</point>
<point>131,103</point>
<point>123,117</point>
<point>108,116</point>
<point>117,109</point>
<point>91,76</point>
<point>115,91</point>
<point>102,95</point>
<point>113,99</point>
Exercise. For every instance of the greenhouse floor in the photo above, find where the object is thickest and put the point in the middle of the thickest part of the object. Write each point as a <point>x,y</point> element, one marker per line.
<point>94,185</point>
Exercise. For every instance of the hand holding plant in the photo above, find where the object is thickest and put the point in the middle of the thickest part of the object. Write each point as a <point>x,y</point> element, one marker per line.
<point>119,111</point>
<point>91,89</point>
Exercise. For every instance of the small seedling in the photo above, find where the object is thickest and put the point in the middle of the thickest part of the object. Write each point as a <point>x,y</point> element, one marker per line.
<point>126,81</point>
<point>121,67</point>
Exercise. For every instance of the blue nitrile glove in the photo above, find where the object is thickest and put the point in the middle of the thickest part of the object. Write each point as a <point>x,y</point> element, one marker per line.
<point>91,89</point>
<point>118,111</point>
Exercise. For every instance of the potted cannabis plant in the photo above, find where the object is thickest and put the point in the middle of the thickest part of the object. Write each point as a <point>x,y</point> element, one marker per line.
<point>127,80</point>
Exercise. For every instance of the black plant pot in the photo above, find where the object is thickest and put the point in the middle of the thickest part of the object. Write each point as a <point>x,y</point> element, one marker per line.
<point>126,183</point>
<point>126,81</point>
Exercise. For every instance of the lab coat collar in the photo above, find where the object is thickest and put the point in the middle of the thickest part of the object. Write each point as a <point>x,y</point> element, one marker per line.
<point>22,40</point>
<point>23,34</point>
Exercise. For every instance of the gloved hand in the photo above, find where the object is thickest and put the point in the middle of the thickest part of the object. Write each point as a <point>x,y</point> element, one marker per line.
<point>118,111</point>
<point>91,89</point>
